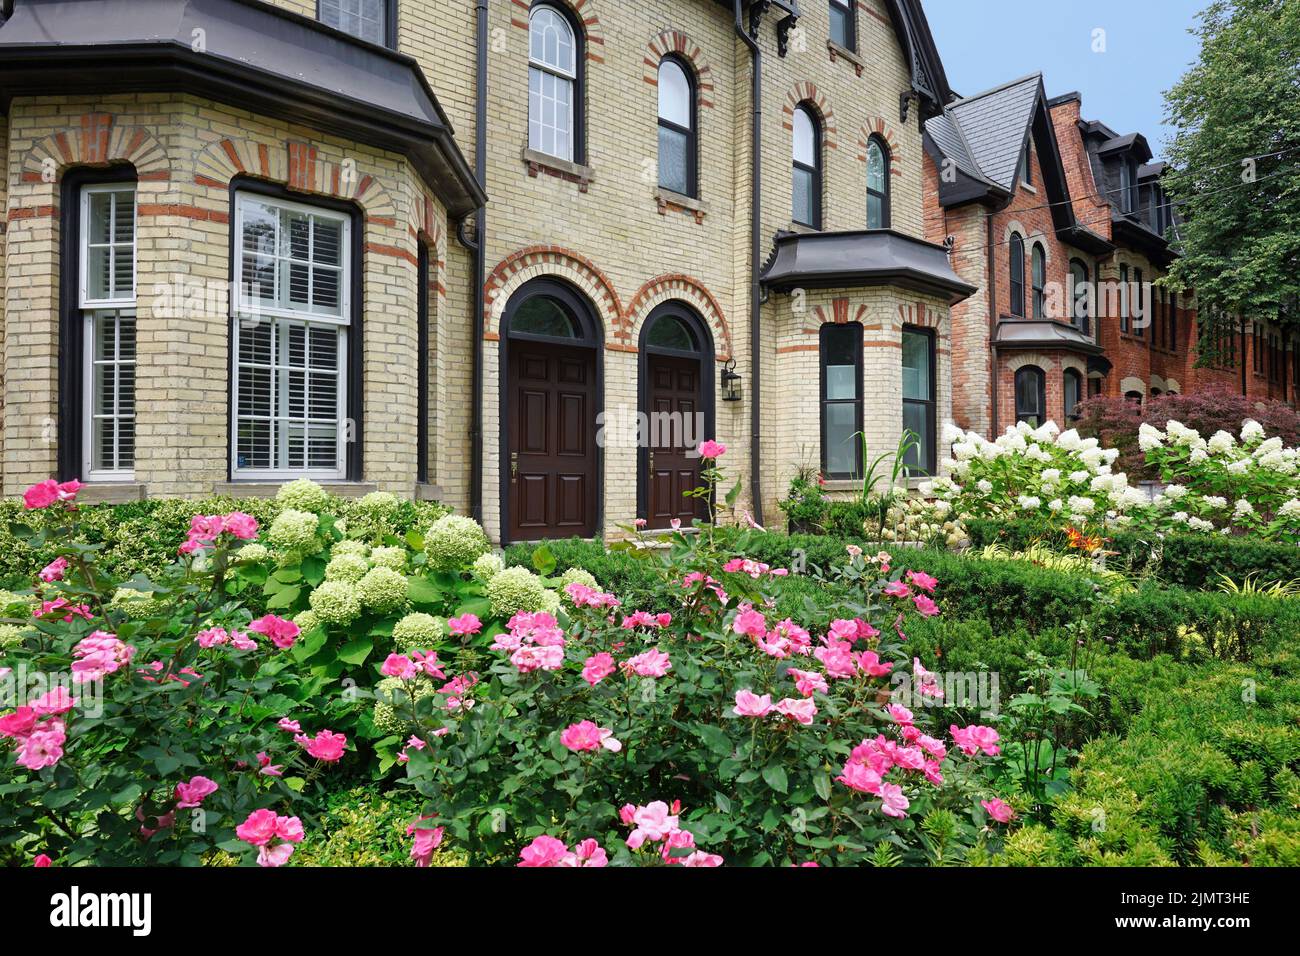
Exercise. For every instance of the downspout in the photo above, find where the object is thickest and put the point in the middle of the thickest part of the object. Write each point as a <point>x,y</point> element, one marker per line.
<point>478,246</point>
<point>993,323</point>
<point>755,262</point>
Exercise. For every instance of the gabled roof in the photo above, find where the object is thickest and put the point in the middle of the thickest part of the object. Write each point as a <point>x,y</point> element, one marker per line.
<point>995,126</point>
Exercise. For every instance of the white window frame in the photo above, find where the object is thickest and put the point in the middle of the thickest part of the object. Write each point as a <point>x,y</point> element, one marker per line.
<point>246,310</point>
<point>570,77</point>
<point>92,308</point>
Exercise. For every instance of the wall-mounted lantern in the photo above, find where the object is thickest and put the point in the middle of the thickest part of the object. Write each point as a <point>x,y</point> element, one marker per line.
<point>730,382</point>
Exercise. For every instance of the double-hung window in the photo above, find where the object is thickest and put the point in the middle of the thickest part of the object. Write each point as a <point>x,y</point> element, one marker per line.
<point>290,340</point>
<point>918,399</point>
<point>843,30</point>
<point>363,19</point>
<point>107,303</point>
<point>553,60</point>
<point>841,394</point>
<point>677,149</point>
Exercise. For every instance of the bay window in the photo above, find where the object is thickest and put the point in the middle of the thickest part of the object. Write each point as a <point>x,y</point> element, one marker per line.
<point>107,303</point>
<point>1031,395</point>
<point>291,339</point>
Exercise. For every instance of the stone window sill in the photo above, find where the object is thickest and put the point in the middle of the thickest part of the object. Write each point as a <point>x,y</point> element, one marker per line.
<point>802,229</point>
<point>427,492</point>
<point>110,492</point>
<point>543,163</point>
<point>838,52</point>
<point>668,200</point>
<point>840,485</point>
<point>267,489</point>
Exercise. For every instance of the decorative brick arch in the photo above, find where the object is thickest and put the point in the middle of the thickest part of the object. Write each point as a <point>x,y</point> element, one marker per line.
<point>1017,362</point>
<point>1076,363</point>
<point>95,140</point>
<point>537,261</point>
<point>921,314</point>
<point>297,165</point>
<point>426,227</point>
<point>841,312</point>
<point>876,126</point>
<point>674,41</point>
<point>807,92</point>
<point>1132,384</point>
<point>674,286</point>
<point>584,11</point>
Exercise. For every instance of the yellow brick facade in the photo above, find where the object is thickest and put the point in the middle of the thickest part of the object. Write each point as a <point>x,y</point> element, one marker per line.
<point>606,229</point>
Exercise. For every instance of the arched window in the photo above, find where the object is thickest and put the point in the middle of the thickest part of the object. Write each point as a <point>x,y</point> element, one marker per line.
<point>1072,393</point>
<point>1038,276</point>
<point>1081,297</point>
<point>877,184</point>
<point>554,84</point>
<point>1031,395</point>
<point>807,205</point>
<point>1134,398</point>
<point>1017,264</point>
<point>677,148</point>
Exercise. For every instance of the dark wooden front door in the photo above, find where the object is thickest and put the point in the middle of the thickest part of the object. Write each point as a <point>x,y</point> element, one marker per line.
<point>673,406</point>
<point>551,445</point>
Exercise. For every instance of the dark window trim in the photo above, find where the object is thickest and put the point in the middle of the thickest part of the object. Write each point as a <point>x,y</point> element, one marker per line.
<point>1037,283</point>
<point>692,134</point>
<point>1142,306</point>
<point>857,330</point>
<point>851,40</point>
<point>817,170</point>
<point>1024,415</point>
<point>1016,265</point>
<point>705,354</point>
<point>579,80</point>
<point>355,377</point>
<point>593,338</point>
<point>390,24</point>
<point>422,363</point>
<point>72,392</point>
<point>887,214</point>
<point>929,449</point>
<point>1124,290</point>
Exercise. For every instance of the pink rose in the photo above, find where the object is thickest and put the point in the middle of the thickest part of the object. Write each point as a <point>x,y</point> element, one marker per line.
<point>42,860</point>
<point>465,624</point>
<point>292,726</point>
<point>923,581</point>
<point>712,449</point>
<point>54,702</point>
<point>426,841</point>
<point>54,570</point>
<point>543,851</point>
<point>808,682</point>
<point>45,493</point>
<point>801,710</point>
<point>258,829</point>
<point>925,605</point>
<point>651,663</point>
<point>19,724</point>
<point>860,777</point>
<point>597,667</point>
<point>193,793</point>
<point>897,589</point>
<point>282,632</point>
<point>998,810</point>
<point>398,665</point>
<point>326,745</point>
<point>43,747</point>
<point>241,525</point>
<point>749,704</point>
<point>277,855</point>
<point>894,804</point>
<point>653,823</point>
<point>970,740</point>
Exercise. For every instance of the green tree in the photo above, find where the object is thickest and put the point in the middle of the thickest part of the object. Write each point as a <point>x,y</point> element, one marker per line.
<point>1235,162</point>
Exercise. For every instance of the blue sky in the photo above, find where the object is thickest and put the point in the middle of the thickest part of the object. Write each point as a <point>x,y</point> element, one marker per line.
<point>986,42</point>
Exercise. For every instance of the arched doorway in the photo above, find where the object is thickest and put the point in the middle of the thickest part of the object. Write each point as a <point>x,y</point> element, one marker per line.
<point>675,398</point>
<point>550,399</point>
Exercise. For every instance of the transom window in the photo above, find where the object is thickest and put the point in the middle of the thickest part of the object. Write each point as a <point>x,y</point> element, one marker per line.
<point>292,274</point>
<point>807,209</point>
<point>552,83</point>
<point>841,393</point>
<point>843,26</point>
<point>677,148</point>
<point>919,399</point>
<point>363,19</point>
<point>877,184</point>
<point>107,302</point>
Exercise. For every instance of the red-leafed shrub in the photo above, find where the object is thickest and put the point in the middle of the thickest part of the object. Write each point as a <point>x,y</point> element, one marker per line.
<point>1114,421</point>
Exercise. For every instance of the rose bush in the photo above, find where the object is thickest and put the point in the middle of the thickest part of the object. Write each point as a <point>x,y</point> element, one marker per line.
<point>164,736</point>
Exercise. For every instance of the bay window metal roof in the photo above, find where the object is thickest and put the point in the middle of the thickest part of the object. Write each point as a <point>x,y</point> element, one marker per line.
<point>862,258</point>
<point>244,53</point>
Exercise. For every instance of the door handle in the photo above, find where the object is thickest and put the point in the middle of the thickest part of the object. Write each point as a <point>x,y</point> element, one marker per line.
<point>514,464</point>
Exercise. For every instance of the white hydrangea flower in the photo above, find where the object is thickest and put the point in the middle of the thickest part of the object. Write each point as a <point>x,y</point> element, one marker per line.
<point>985,486</point>
<point>1290,509</point>
<point>1243,508</point>
<point>1110,454</point>
<point>1068,440</point>
<point>1046,432</point>
<point>1050,476</point>
<point>1238,467</point>
<point>1251,430</point>
<point>1221,442</point>
<point>1198,456</point>
<point>1028,502</point>
<point>1200,524</point>
<point>1077,476</point>
<point>952,433</point>
<point>965,450</point>
<point>1179,516</point>
<point>1082,505</point>
<point>1175,492</point>
<point>1149,437</point>
<point>1215,502</point>
<point>1091,457</point>
<point>1055,505</point>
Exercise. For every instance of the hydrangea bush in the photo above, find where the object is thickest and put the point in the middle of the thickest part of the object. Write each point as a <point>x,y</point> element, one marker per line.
<point>1226,484</point>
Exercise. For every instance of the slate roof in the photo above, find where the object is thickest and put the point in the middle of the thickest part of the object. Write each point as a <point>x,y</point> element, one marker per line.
<point>994,126</point>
